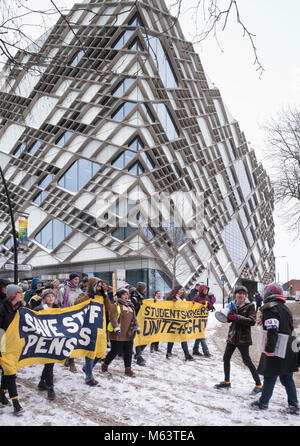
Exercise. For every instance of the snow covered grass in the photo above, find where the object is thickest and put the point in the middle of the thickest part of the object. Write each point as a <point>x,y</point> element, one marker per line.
<point>164,393</point>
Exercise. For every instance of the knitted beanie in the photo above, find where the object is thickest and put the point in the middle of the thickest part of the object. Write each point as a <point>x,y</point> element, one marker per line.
<point>12,290</point>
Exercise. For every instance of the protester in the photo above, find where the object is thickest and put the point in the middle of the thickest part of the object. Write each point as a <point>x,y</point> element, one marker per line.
<point>202,298</point>
<point>154,347</point>
<point>46,382</point>
<point>94,289</point>
<point>277,319</point>
<point>137,295</point>
<point>178,294</point>
<point>3,285</point>
<point>36,299</point>
<point>242,318</point>
<point>8,309</point>
<point>258,300</point>
<point>122,330</point>
<point>66,296</point>
<point>84,284</point>
<point>35,285</point>
<point>194,292</point>
<point>212,300</point>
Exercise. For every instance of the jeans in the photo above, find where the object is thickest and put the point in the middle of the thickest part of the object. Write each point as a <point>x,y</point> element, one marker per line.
<point>244,350</point>
<point>287,381</point>
<point>184,346</point>
<point>88,368</point>
<point>203,345</point>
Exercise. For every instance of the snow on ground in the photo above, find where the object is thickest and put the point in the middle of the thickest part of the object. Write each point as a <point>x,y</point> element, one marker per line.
<point>164,393</point>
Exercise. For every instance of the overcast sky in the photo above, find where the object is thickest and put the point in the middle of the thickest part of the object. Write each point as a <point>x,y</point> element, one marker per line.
<point>252,100</point>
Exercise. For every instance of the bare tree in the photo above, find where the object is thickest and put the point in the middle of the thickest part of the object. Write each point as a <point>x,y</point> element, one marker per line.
<point>21,23</point>
<point>283,156</point>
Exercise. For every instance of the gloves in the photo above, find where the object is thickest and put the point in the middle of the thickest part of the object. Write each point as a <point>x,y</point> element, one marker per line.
<point>232,316</point>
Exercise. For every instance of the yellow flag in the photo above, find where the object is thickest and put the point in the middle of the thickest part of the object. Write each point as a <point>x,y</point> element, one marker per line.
<point>53,335</point>
<point>168,321</point>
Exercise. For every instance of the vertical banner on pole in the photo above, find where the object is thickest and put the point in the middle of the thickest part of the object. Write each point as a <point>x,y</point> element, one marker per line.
<point>23,229</point>
<point>114,282</point>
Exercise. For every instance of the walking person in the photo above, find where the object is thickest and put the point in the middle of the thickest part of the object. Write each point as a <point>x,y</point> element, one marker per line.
<point>277,319</point>
<point>47,380</point>
<point>258,300</point>
<point>66,296</point>
<point>137,295</point>
<point>178,294</point>
<point>122,329</point>
<point>8,309</point>
<point>154,347</point>
<point>202,298</point>
<point>94,289</point>
<point>242,318</point>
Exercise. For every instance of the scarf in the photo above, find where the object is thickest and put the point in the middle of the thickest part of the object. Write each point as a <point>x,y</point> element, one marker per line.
<point>133,327</point>
<point>68,286</point>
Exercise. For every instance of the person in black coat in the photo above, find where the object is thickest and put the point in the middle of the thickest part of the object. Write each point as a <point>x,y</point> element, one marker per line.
<point>3,285</point>
<point>8,309</point>
<point>137,295</point>
<point>277,319</point>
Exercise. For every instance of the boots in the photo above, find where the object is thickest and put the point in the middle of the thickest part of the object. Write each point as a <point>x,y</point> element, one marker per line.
<point>188,357</point>
<point>18,409</point>
<point>3,399</point>
<point>129,372</point>
<point>104,367</point>
<point>42,385</point>
<point>223,385</point>
<point>51,394</point>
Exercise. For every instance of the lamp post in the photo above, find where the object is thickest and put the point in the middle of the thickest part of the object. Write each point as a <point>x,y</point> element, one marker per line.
<point>14,232</point>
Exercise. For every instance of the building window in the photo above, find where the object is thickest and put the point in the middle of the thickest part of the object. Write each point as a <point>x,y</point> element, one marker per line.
<point>122,160</point>
<point>64,138</point>
<point>35,147</point>
<point>123,233</point>
<point>166,120</point>
<point>148,160</point>
<point>122,87</point>
<point>45,181</point>
<point>52,234</point>
<point>40,197</point>
<point>77,58</point>
<point>78,175</point>
<point>136,144</point>
<point>161,61</point>
<point>125,36</point>
<point>19,150</point>
<point>136,169</point>
<point>123,111</point>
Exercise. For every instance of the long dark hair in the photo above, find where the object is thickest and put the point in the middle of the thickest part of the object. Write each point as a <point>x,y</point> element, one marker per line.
<point>173,293</point>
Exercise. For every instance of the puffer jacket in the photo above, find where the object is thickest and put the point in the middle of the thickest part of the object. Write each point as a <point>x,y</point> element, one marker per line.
<point>277,318</point>
<point>121,321</point>
<point>240,329</point>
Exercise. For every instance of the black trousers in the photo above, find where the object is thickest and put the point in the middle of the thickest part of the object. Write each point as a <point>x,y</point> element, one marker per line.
<point>8,382</point>
<point>124,347</point>
<point>244,351</point>
<point>47,374</point>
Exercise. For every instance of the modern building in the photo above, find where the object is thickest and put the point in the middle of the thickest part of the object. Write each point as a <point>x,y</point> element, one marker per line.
<point>110,115</point>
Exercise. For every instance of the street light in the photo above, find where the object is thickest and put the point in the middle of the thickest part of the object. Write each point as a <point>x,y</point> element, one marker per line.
<point>14,232</point>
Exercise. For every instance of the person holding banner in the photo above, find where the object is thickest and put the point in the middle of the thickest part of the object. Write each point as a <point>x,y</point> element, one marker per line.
<point>8,309</point>
<point>46,381</point>
<point>154,347</point>
<point>95,288</point>
<point>242,318</point>
<point>137,295</point>
<point>122,329</point>
<point>66,296</point>
<point>277,319</point>
<point>202,298</point>
<point>178,294</point>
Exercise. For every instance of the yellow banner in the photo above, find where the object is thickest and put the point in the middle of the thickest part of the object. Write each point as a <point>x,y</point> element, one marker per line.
<point>53,335</point>
<point>168,321</point>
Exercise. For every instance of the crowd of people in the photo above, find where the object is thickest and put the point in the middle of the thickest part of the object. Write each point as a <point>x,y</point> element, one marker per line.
<point>122,308</point>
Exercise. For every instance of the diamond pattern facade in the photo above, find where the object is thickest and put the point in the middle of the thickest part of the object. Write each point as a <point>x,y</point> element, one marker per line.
<point>124,111</point>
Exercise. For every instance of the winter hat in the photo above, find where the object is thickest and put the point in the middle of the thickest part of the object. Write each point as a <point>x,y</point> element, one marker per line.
<point>273,288</point>
<point>46,292</point>
<point>12,290</point>
<point>240,289</point>
<point>141,287</point>
<point>73,276</point>
<point>121,291</point>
